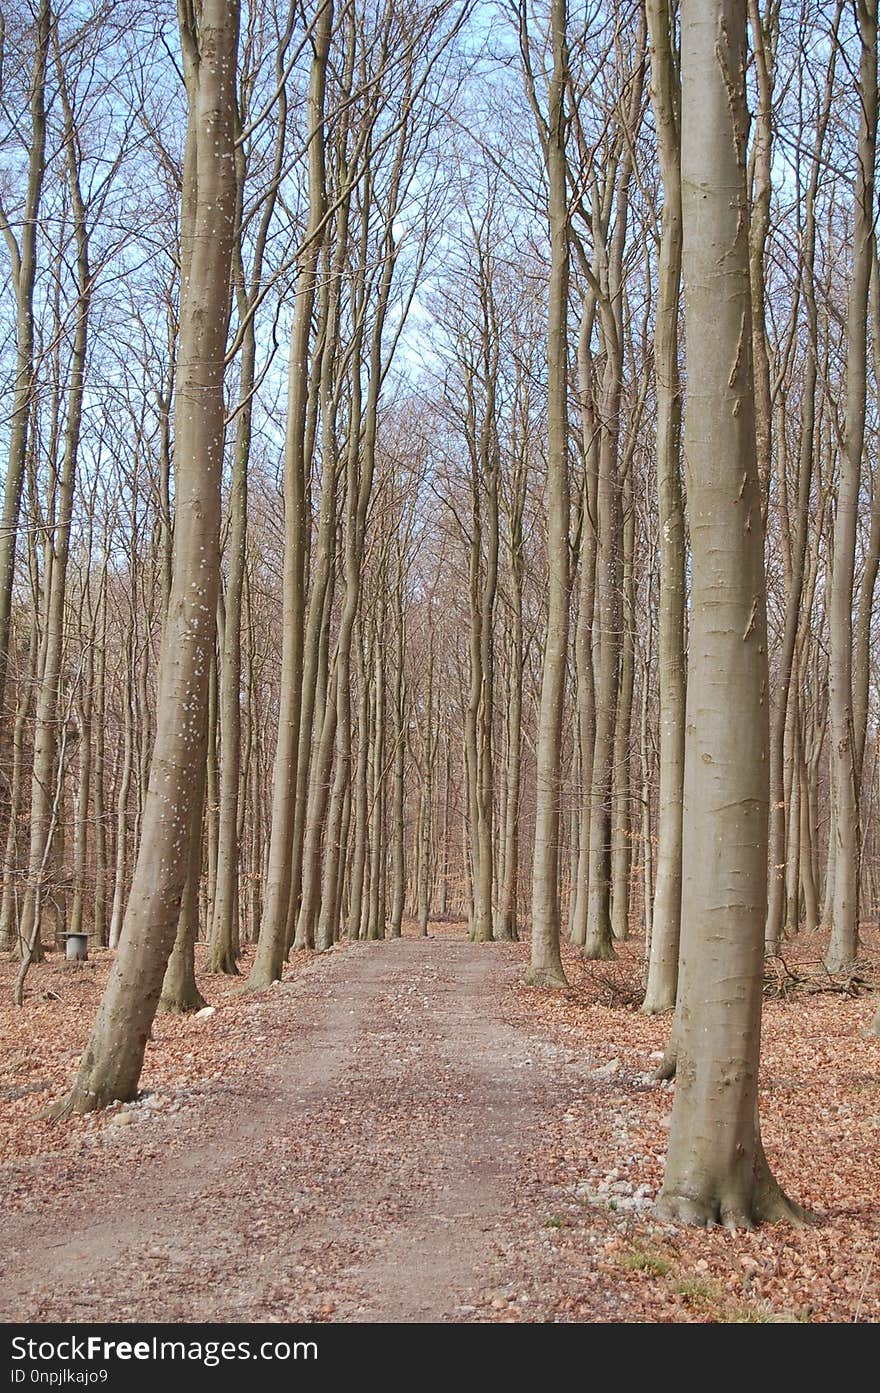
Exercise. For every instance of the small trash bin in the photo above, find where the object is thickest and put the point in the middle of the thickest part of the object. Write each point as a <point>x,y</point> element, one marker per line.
<point>77,947</point>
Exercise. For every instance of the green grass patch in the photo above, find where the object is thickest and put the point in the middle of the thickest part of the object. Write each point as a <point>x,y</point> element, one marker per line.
<point>648,1260</point>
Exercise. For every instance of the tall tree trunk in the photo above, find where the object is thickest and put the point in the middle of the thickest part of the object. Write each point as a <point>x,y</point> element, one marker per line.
<point>506,926</point>
<point>844,944</point>
<point>99,907</point>
<point>117,910</point>
<point>358,878</point>
<point>10,905</point>
<point>398,823</point>
<point>583,640</point>
<point>223,930</point>
<point>546,962</point>
<point>660,992</point>
<point>272,943</point>
<point>798,545</point>
<point>716,1169</point>
<point>24,269</point>
<point>375,923</point>
<point>621,831</point>
<point>111,1063</point>
<point>48,693</point>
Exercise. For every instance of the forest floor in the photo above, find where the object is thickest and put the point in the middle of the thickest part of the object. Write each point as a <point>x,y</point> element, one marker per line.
<point>404,1131</point>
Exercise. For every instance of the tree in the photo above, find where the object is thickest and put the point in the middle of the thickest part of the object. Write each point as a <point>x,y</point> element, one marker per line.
<point>844,943</point>
<point>111,1063</point>
<point>546,963</point>
<point>662,981</point>
<point>23,256</point>
<point>716,1168</point>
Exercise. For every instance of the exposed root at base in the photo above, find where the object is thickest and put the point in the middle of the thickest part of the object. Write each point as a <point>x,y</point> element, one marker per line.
<point>768,1204</point>
<point>175,1006</point>
<point>546,977</point>
<point>224,965</point>
<point>252,984</point>
<point>602,952</point>
<point>706,1213</point>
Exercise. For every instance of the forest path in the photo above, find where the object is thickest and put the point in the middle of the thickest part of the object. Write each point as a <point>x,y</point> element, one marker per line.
<point>369,1166</point>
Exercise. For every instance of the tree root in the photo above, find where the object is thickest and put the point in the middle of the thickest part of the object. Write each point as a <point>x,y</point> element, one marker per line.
<point>177,1006</point>
<point>708,1211</point>
<point>252,984</point>
<point>546,977</point>
<point>767,1203</point>
<point>225,963</point>
<point>599,951</point>
<point>82,1100</point>
<point>648,1008</point>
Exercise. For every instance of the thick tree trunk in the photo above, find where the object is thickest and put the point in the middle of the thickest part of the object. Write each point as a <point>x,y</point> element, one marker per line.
<point>716,1169</point>
<point>111,1063</point>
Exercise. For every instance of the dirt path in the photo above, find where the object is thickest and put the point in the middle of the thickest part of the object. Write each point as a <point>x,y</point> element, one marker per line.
<point>366,1168</point>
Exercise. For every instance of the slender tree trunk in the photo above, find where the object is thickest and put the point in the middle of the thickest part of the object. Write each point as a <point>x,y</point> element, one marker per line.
<point>99,909</point>
<point>507,929</point>
<point>119,882</point>
<point>546,962</point>
<point>10,903</point>
<point>272,943</point>
<point>24,270</point>
<point>398,824</point>
<point>48,694</point>
<point>621,832</point>
<point>660,992</point>
<point>844,944</point>
<point>797,549</point>
<point>83,792</point>
<point>375,927</point>
<point>361,800</point>
<point>583,641</point>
